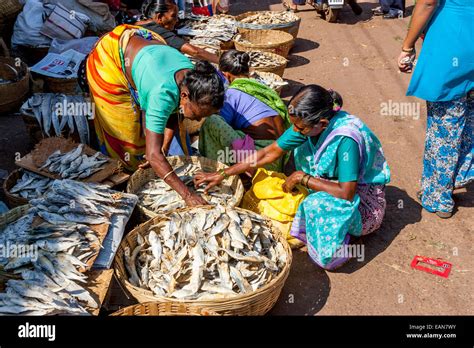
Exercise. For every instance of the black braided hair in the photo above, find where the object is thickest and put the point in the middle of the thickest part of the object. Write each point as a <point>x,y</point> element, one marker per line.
<point>313,103</point>
<point>151,7</point>
<point>204,85</point>
<point>235,62</point>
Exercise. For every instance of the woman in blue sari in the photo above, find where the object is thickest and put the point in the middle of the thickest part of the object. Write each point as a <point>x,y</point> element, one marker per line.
<point>340,161</point>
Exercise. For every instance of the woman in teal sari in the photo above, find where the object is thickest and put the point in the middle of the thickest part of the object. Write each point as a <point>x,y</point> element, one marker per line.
<point>340,161</point>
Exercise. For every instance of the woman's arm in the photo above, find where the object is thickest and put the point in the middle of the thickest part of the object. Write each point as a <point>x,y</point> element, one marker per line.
<point>424,10</point>
<point>342,190</point>
<point>262,157</point>
<point>159,163</point>
<point>199,53</point>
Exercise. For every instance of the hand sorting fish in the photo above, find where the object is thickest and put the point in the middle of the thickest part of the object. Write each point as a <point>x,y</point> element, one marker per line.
<point>74,164</point>
<point>62,247</point>
<point>31,186</point>
<point>157,196</point>
<point>205,254</point>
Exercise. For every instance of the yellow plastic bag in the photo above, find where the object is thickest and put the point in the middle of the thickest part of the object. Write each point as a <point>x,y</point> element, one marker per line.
<point>266,197</point>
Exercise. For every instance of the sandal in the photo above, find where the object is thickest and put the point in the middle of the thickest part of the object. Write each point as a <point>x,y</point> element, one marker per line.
<point>440,214</point>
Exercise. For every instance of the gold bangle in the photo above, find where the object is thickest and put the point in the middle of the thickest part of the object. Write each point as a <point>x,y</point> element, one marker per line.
<point>408,50</point>
<point>223,173</point>
<point>307,177</point>
<point>168,174</point>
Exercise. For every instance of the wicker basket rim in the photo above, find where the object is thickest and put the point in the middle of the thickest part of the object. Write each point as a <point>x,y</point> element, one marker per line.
<point>257,26</point>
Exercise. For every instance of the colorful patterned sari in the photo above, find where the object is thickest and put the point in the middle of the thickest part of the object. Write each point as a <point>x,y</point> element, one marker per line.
<point>325,222</point>
<point>118,119</point>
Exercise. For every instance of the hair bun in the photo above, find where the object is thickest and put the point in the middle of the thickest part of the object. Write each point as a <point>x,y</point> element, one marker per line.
<point>204,68</point>
<point>244,58</point>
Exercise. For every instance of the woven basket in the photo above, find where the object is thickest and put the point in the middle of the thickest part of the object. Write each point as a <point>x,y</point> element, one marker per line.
<point>163,309</point>
<point>278,69</point>
<point>142,176</point>
<point>290,27</point>
<point>273,76</point>
<point>273,41</point>
<point>9,10</point>
<point>13,94</point>
<point>256,302</point>
<point>13,215</point>
<point>12,200</point>
<point>65,86</point>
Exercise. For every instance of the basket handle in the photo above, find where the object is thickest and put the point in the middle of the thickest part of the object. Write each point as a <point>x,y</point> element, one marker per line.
<point>4,47</point>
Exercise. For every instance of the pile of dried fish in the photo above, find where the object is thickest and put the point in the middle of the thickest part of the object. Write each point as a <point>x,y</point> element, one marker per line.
<point>59,111</point>
<point>58,249</point>
<point>211,32</point>
<point>268,79</point>
<point>265,60</point>
<point>74,164</point>
<point>30,186</point>
<point>271,17</point>
<point>206,254</point>
<point>74,201</point>
<point>157,196</point>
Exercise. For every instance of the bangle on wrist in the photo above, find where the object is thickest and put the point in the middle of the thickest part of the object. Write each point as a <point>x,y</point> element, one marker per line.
<point>168,174</point>
<point>223,173</point>
<point>408,50</point>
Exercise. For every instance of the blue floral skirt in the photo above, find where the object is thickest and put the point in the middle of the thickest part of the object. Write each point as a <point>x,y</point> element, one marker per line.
<point>449,152</point>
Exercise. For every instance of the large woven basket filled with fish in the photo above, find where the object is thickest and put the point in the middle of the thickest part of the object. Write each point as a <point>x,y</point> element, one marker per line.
<point>14,84</point>
<point>267,62</point>
<point>286,21</point>
<point>59,237</point>
<point>269,79</point>
<point>163,310</point>
<point>229,260</point>
<point>273,41</point>
<point>157,197</point>
<point>21,186</point>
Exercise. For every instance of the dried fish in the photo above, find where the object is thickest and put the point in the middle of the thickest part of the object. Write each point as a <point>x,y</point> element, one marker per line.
<point>201,262</point>
<point>74,164</point>
<point>159,197</point>
<point>30,186</point>
<point>271,17</point>
<point>268,79</point>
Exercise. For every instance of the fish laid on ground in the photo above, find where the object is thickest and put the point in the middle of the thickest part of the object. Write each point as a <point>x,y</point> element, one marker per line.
<point>213,260</point>
<point>30,186</point>
<point>74,164</point>
<point>50,278</point>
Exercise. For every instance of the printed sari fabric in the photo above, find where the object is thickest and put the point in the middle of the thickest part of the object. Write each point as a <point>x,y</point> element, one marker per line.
<point>118,120</point>
<point>325,222</point>
<point>220,142</point>
<point>449,152</point>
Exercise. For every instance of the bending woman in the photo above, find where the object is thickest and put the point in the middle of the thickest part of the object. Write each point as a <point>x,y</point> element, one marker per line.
<point>340,161</point>
<point>161,17</point>
<point>137,84</point>
<point>253,115</point>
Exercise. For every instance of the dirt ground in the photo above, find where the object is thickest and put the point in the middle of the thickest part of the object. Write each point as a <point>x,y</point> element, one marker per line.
<point>357,58</point>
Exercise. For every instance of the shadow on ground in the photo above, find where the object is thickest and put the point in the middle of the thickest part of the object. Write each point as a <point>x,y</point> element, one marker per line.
<point>303,45</point>
<point>306,289</point>
<point>291,89</point>
<point>402,210</point>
